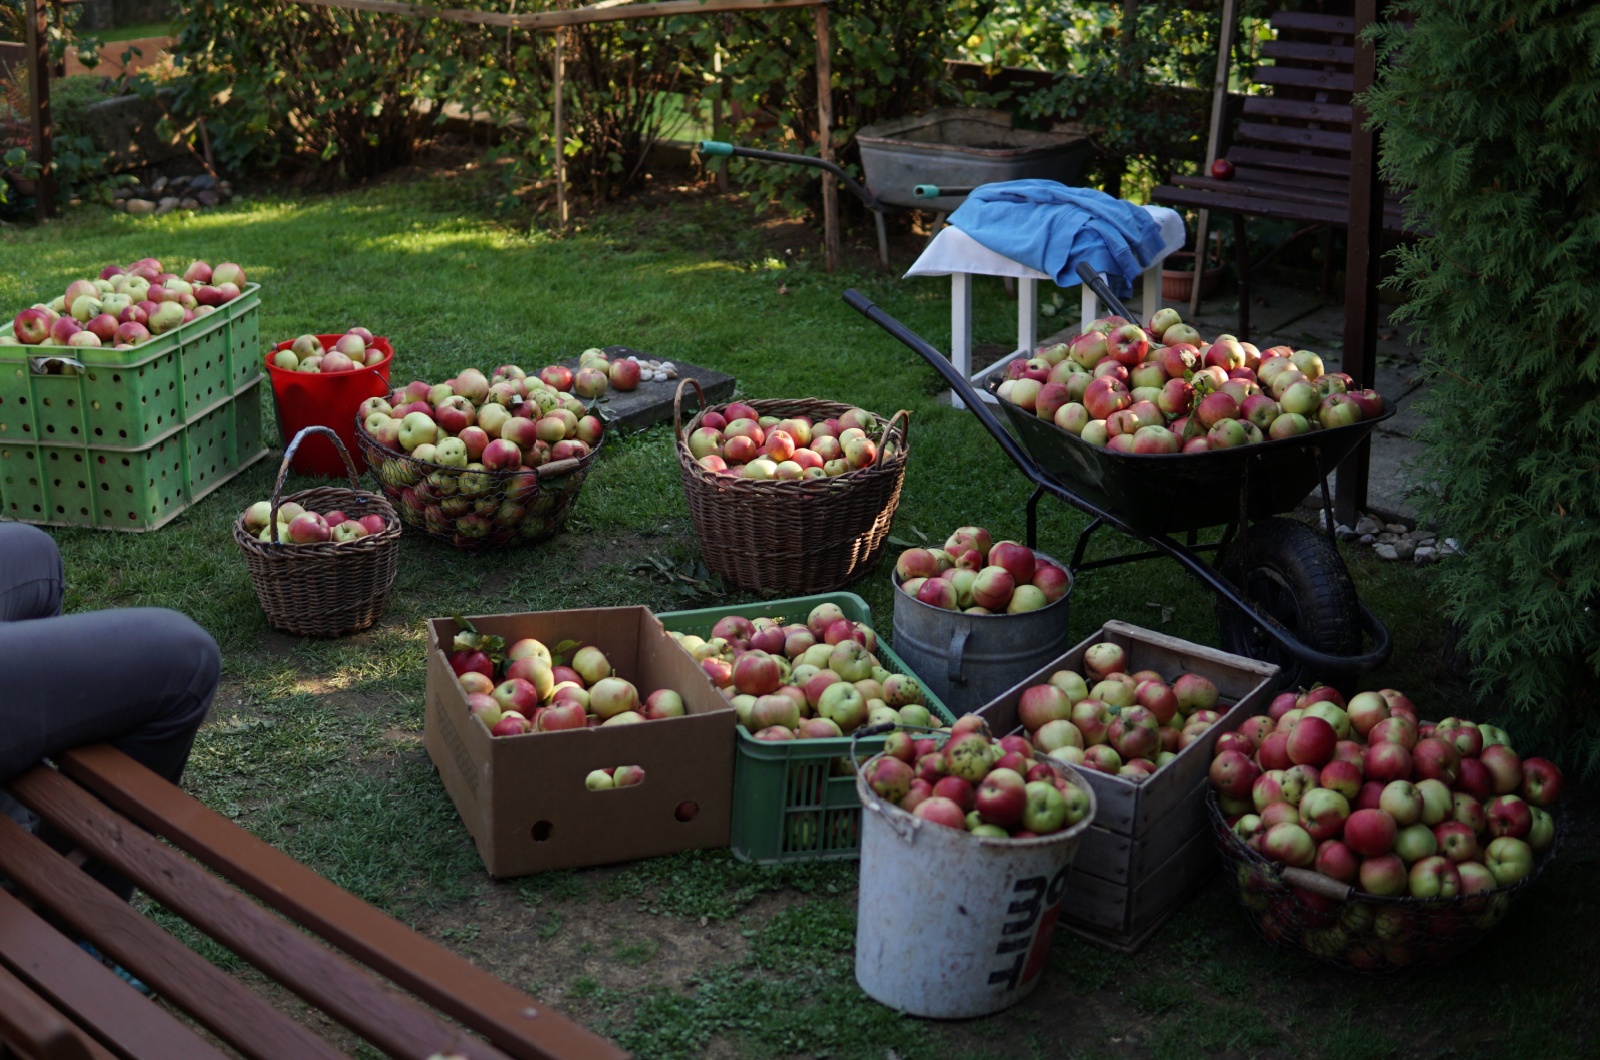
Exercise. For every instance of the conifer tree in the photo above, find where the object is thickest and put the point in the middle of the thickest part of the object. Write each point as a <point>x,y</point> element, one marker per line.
<point>1489,110</point>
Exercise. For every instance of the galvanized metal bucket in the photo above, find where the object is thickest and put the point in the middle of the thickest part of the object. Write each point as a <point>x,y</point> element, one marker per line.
<point>950,925</point>
<point>970,660</point>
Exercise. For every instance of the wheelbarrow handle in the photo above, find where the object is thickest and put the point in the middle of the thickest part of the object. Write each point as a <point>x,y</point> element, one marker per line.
<point>934,191</point>
<point>721,149</point>
<point>1092,280</point>
<point>975,404</point>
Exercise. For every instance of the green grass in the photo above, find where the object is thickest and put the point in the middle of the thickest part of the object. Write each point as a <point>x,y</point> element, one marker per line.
<point>315,745</point>
<point>136,31</point>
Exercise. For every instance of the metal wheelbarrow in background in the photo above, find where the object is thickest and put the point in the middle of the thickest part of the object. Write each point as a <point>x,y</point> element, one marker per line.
<point>1283,593</point>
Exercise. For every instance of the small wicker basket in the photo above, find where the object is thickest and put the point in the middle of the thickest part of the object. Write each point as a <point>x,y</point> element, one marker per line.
<point>1354,930</point>
<point>795,537</point>
<point>331,588</point>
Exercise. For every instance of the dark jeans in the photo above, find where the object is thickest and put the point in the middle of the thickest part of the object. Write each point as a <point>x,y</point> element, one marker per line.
<point>139,678</point>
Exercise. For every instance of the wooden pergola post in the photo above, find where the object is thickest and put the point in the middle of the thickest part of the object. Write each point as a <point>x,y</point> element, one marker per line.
<point>39,96</point>
<point>830,187</point>
<point>1219,111</point>
<point>1363,250</point>
<point>561,140</point>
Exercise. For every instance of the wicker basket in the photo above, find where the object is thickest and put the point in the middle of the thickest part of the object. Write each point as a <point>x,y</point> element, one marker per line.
<point>327,589</point>
<point>1353,930</point>
<point>792,537</point>
<point>475,510</point>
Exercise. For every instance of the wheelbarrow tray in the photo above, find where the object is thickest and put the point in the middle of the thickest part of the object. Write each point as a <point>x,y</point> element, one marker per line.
<point>1171,493</point>
<point>961,147</point>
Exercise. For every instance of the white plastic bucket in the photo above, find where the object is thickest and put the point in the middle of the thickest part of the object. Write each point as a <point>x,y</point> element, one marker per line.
<point>952,925</point>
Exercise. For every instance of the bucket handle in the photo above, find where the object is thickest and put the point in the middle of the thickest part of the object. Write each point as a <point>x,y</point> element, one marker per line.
<point>288,456</point>
<point>957,655</point>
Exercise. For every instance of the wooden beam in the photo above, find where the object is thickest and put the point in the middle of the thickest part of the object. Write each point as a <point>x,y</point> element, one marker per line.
<point>551,20</point>
<point>1363,249</point>
<point>560,138</point>
<point>1219,114</point>
<point>44,195</point>
<point>830,188</point>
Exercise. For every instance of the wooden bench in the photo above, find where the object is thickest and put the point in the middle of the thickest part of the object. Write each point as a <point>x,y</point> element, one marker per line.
<point>404,994</point>
<point>1290,150</point>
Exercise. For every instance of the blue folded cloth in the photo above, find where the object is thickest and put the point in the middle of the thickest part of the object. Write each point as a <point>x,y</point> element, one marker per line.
<point>1048,226</point>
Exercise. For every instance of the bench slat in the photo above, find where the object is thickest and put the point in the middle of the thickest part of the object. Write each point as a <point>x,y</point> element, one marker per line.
<point>1294,136</point>
<point>1291,160</point>
<point>216,1000</point>
<point>430,971</point>
<point>1327,80</point>
<point>1169,195</point>
<point>1283,193</point>
<point>83,989</point>
<point>1310,51</point>
<point>317,974</point>
<point>1252,175</point>
<point>30,1025</point>
<point>1337,25</point>
<point>1303,109</point>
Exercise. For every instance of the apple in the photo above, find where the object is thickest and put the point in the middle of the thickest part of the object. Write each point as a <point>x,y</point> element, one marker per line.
<point>1289,844</point>
<point>889,777</point>
<point>1434,877</point>
<point>511,724</point>
<point>940,810</point>
<point>1384,874</point>
<point>1337,860</point>
<point>1311,741</point>
<point>1508,815</point>
<point>1543,833</point>
<point>1323,813</point>
<point>1541,782</point>
<point>1436,759</point>
<point>308,528</point>
<point>1370,832</point>
<point>1509,859</point>
<point>1469,811</point>
<point>1457,841</point>
<point>1046,808</point>
<point>1415,842</point>
<point>1505,768</point>
<point>1222,169</point>
<point>1402,801</point>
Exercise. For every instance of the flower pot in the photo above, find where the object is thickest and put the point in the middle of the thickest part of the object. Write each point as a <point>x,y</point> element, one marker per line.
<point>1177,279</point>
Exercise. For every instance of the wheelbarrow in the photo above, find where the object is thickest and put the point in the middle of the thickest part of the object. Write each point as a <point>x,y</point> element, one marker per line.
<point>1283,593</point>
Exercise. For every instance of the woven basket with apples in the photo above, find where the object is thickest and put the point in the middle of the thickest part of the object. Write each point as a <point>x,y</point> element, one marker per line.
<point>486,461</point>
<point>790,495</point>
<point>1374,841</point>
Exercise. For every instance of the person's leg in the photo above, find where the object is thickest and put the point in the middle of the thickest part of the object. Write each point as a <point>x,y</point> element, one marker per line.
<point>31,581</point>
<point>140,678</point>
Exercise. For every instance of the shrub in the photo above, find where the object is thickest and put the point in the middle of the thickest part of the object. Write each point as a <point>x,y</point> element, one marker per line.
<point>1488,112</point>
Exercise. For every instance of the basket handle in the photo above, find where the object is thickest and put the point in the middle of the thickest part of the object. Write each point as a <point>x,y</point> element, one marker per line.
<point>288,455</point>
<point>557,468</point>
<point>903,415</point>
<point>677,403</point>
<point>1317,883</point>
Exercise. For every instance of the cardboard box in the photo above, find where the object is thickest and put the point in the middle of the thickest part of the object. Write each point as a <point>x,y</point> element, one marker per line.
<point>1150,843</point>
<point>523,797</point>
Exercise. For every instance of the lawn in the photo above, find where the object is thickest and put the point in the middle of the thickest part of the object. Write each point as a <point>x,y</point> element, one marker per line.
<point>316,745</point>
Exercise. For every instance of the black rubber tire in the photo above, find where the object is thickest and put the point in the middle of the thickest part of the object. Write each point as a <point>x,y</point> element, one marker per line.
<point>1296,575</point>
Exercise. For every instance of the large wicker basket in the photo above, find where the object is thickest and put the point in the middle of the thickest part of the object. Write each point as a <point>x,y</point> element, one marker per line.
<point>1353,930</point>
<point>327,589</point>
<point>477,510</point>
<point>793,537</point>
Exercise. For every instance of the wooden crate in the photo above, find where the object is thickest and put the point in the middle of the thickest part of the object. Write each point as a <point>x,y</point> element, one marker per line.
<point>1148,847</point>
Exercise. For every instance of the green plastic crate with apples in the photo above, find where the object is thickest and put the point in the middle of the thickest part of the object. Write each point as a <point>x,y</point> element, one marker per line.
<point>795,800</point>
<point>132,488</point>
<point>132,397</point>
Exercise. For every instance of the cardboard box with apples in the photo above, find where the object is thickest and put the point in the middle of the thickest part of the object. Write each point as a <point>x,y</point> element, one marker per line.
<point>525,799</point>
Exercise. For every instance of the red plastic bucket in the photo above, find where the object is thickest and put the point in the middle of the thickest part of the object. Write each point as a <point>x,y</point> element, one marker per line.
<point>311,399</point>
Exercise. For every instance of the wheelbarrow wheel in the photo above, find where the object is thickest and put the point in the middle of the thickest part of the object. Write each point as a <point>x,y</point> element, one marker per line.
<point>1294,575</point>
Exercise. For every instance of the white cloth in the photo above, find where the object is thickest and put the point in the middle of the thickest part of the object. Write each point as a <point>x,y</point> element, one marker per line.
<point>952,250</point>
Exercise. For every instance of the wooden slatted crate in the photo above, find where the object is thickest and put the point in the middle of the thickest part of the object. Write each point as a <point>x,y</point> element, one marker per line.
<point>1148,847</point>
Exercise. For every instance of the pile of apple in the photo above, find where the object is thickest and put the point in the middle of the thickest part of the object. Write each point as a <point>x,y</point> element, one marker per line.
<point>811,681</point>
<point>350,351</point>
<point>971,575</point>
<point>533,690</point>
<point>1127,724</point>
<point>1164,390</point>
<point>737,441</point>
<point>1374,798</point>
<point>987,787</point>
<point>125,307</point>
<point>503,422</point>
<point>297,526</point>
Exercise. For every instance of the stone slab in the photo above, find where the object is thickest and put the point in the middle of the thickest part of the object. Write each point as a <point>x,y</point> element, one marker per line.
<point>650,403</point>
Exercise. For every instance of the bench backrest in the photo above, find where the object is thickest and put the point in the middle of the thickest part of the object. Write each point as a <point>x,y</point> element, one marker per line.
<point>1303,126</point>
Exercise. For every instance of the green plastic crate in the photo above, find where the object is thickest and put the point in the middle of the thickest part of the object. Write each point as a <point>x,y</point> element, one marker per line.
<point>131,488</point>
<point>132,398</point>
<point>789,804</point>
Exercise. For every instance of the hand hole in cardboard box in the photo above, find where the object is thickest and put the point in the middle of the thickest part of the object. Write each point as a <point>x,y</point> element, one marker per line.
<point>614,777</point>
<point>541,831</point>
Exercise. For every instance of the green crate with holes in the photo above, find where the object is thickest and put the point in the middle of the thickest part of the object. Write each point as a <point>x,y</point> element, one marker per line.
<point>130,397</point>
<point>131,488</point>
